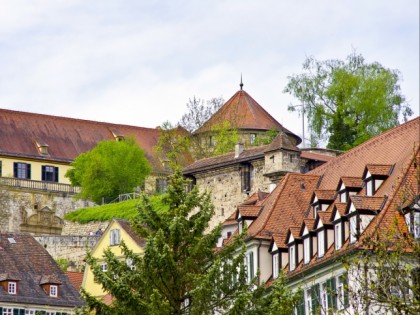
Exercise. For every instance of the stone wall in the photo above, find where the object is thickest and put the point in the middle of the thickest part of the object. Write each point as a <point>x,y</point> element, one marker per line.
<point>224,184</point>
<point>74,228</point>
<point>73,248</point>
<point>20,205</point>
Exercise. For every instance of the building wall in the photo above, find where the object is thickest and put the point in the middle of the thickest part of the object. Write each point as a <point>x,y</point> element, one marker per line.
<point>89,284</point>
<point>36,168</point>
<point>70,247</point>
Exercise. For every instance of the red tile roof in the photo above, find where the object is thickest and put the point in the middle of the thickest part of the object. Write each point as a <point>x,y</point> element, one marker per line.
<point>327,195</point>
<point>379,170</point>
<point>368,203</point>
<point>316,156</point>
<point>243,112</point>
<point>76,279</point>
<point>66,137</point>
<point>351,182</point>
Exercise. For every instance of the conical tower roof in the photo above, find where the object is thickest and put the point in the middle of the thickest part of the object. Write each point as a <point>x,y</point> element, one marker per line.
<point>244,113</point>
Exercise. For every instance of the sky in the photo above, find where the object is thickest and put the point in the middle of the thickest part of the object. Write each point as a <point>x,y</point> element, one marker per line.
<point>138,62</point>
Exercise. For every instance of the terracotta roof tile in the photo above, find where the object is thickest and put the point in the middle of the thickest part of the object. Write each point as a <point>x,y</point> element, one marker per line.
<point>316,156</point>
<point>243,112</point>
<point>324,217</point>
<point>326,195</point>
<point>351,182</point>
<point>30,263</point>
<point>368,202</point>
<point>249,211</point>
<point>310,224</point>
<point>76,279</point>
<point>280,240</point>
<point>341,208</point>
<point>379,169</point>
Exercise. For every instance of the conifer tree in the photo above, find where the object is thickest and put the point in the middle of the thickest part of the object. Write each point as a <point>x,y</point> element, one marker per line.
<point>180,271</point>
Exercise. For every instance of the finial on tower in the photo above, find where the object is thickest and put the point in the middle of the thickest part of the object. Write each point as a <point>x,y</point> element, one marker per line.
<point>241,85</point>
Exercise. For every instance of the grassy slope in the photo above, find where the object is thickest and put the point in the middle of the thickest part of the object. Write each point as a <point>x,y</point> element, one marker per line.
<point>122,210</point>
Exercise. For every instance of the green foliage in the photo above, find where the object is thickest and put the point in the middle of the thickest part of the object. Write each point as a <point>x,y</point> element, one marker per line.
<point>225,137</point>
<point>180,272</point>
<point>109,169</point>
<point>267,138</point>
<point>349,101</point>
<point>123,210</point>
<point>63,263</point>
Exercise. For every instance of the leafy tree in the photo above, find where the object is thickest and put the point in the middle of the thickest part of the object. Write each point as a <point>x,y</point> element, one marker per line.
<point>199,112</point>
<point>180,271</point>
<point>109,169</point>
<point>348,101</point>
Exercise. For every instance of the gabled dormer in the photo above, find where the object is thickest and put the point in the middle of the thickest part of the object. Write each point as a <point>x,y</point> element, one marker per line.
<point>321,200</point>
<point>308,239</point>
<point>51,285</point>
<point>374,175</point>
<point>341,225</point>
<point>279,253</point>
<point>324,231</point>
<point>348,186</point>
<point>118,136</point>
<point>411,212</point>
<point>360,211</point>
<point>41,146</point>
<point>294,243</point>
<point>246,214</point>
<point>9,283</point>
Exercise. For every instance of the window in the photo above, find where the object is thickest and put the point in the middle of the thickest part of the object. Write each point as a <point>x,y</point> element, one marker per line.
<point>321,243</point>
<point>338,236</point>
<point>353,229</point>
<point>49,173</point>
<point>308,302</point>
<point>211,141</point>
<point>252,138</point>
<point>343,196</point>
<point>7,311</point>
<point>316,210</point>
<point>161,184</point>
<point>247,177</point>
<point>50,313</point>
<point>412,219</point>
<point>275,265</point>
<point>130,264</point>
<point>292,257</point>
<point>104,267</point>
<point>240,226</point>
<point>22,170</point>
<point>307,250</point>
<point>369,187</point>
<point>53,290</point>
<point>250,266</point>
<point>324,298</point>
<point>342,293</point>
<point>11,287</point>
<point>114,237</point>
<point>30,312</point>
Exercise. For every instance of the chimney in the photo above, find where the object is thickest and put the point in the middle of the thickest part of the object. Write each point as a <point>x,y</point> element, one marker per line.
<point>239,148</point>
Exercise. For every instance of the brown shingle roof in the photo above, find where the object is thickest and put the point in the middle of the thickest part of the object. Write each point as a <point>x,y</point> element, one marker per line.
<point>29,262</point>
<point>128,229</point>
<point>243,112</point>
<point>66,137</point>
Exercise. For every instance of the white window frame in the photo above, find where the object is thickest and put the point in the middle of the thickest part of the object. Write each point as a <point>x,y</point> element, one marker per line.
<point>130,264</point>
<point>340,292</point>
<point>30,312</point>
<point>12,287</point>
<point>7,311</point>
<point>353,229</point>
<point>308,301</point>
<point>115,237</point>
<point>324,298</point>
<point>343,196</point>
<point>250,266</point>
<point>292,258</point>
<point>50,313</point>
<point>104,267</point>
<point>321,243</point>
<point>275,265</point>
<point>369,187</point>
<point>338,235</point>
<point>53,290</point>
<point>306,250</point>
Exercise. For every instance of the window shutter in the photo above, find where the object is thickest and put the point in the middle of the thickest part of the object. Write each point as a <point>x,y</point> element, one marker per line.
<point>43,176</point>
<point>15,169</point>
<point>315,298</point>
<point>300,307</point>
<point>118,237</point>
<point>15,311</point>
<point>251,264</point>
<point>56,174</point>
<point>1,310</point>
<point>0,168</point>
<point>22,311</point>
<point>346,290</point>
<point>331,293</point>
<point>28,171</point>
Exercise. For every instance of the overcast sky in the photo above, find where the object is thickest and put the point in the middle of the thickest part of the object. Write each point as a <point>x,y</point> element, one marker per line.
<point>138,62</point>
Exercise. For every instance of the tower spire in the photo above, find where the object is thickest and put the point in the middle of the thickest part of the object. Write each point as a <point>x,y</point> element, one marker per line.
<point>241,85</point>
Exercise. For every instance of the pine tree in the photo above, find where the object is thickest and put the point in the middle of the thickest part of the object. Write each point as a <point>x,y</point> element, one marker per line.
<point>180,271</point>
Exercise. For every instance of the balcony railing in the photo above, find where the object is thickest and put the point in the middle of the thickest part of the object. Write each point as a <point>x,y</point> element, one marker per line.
<point>38,185</point>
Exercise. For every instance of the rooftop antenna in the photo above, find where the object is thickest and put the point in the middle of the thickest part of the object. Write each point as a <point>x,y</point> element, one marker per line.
<point>241,85</point>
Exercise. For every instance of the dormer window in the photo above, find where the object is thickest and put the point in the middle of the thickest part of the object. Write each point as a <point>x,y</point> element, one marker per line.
<point>374,175</point>
<point>114,237</point>
<point>42,147</point>
<point>321,243</point>
<point>412,218</point>
<point>316,208</point>
<point>53,290</point>
<point>338,235</point>
<point>343,196</point>
<point>240,226</point>
<point>12,287</point>
<point>354,228</point>
<point>370,187</point>
<point>118,136</point>
<point>275,258</point>
<point>292,257</point>
<point>306,250</point>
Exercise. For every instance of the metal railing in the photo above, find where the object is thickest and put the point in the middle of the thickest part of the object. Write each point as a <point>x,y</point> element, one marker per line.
<point>38,185</point>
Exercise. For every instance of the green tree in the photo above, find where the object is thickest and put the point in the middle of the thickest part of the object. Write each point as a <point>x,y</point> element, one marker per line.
<point>109,169</point>
<point>348,101</point>
<point>180,271</point>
